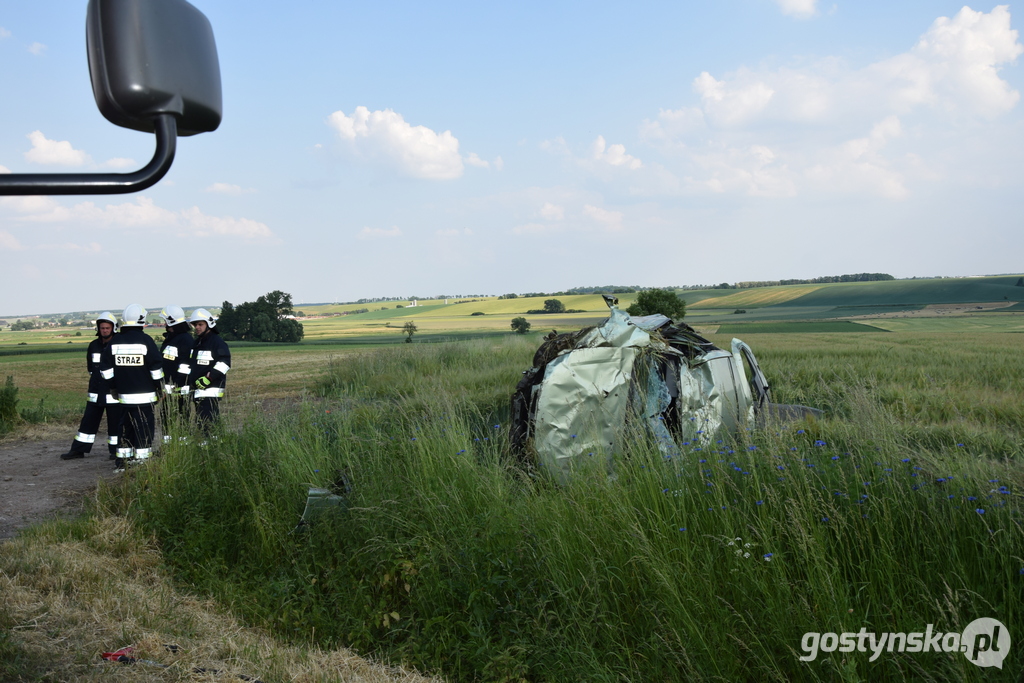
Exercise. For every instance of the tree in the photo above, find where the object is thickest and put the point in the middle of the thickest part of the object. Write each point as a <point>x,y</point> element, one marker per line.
<point>23,325</point>
<point>409,328</point>
<point>554,306</point>
<point>263,320</point>
<point>520,325</point>
<point>664,301</point>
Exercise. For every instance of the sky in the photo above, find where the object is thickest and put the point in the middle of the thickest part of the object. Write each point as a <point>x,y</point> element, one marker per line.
<point>454,148</point>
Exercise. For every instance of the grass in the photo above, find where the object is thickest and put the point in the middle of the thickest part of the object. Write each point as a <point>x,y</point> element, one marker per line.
<point>74,589</point>
<point>450,559</point>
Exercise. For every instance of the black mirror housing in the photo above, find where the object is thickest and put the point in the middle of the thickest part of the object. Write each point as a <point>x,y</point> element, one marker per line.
<point>153,57</point>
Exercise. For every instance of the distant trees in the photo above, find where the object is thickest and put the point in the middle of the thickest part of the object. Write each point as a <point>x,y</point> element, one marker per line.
<point>23,325</point>
<point>409,328</point>
<point>664,301</point>
<point>520,325</point>
<point>554,306</point>
<point>262,320</point>
<point>509,296</point>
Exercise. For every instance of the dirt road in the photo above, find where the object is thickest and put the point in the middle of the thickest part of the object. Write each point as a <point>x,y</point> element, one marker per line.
<point>35,484</point>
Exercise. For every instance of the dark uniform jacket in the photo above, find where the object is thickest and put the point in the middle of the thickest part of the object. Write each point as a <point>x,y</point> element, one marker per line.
<point>132,364</point>
<point>210,358</point>
<point>177,354</point>
<point>98,387</point>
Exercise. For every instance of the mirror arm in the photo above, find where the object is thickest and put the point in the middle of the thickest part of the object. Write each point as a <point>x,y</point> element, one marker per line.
<point>101,183</point>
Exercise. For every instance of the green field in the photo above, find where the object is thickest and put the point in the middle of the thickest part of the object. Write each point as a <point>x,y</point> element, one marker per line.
<point>451,559</point>
<point>825,326</point>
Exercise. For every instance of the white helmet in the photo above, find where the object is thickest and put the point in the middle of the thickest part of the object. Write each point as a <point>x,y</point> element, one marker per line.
<point>134,316</point>
<point>106,317</point>
<point>204,315</point>
<point>172,315</point>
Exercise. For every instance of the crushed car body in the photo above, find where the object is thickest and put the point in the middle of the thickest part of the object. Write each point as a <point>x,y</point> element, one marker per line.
<point>587,387</point>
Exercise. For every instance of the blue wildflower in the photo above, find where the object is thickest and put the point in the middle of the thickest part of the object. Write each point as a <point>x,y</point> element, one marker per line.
<point>759,502</point>
<point>979,511</point>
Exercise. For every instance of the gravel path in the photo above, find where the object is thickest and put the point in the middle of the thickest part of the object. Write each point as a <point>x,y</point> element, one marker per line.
<point>35,484</point>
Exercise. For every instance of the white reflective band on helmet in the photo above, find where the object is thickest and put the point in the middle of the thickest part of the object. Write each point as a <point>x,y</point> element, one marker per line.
<point>172,315</point>
<point>93,398</point>
<point>184,368</point>
<point>222,367</point>
<point>157,374</point>
<point>137,399</point>
<point>108,373</point>
<point>85,438</point>
<point>210,392</point>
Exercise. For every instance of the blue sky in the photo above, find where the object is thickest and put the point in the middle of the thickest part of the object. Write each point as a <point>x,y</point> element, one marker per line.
<point>397,149</point>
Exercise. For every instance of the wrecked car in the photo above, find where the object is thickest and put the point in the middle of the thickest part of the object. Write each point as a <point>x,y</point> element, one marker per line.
<point>646,373</point>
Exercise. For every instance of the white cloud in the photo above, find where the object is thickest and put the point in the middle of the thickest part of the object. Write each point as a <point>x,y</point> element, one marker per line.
<point>374,233</point>
<point>473,160</point>
<point>9,242</point>
<point>4,33</point>
<point>611,220</point>
<point>857,166</point>
<point>201,225</point>
<point>801,9</point>
<point>533,229</point>
<point>119,162</point>
<point>453,232</point>
<point>556,146</point>
<point>732,103</point>
<point>552,212</point>
<point>614,155</point>
<point>499,163</point>
<point>142,213</point>
<point>90,248</point>
<point>38,49</point>
<point>780,131</point>
<point>754,171</point>
<point>954,66</point>
<point>45,151</point>
<point>416,150</point>
<point>4,169</point>
<point>226,188</point>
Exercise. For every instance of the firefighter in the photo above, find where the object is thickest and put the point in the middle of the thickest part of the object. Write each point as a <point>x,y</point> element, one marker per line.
<point>132,364</point>
<point>177,352</point>
<point>210,363</point>
<point>99,400</point>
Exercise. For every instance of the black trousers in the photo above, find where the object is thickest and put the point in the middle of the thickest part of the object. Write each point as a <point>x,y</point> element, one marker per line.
<point>207,413</point>
<point>138,424</point>
<point>90,424</point>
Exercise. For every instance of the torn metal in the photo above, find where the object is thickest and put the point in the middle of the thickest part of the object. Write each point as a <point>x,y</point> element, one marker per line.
<point>585,388</point>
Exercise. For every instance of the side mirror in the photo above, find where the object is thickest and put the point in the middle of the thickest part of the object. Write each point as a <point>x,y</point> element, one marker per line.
<point>154,68</point>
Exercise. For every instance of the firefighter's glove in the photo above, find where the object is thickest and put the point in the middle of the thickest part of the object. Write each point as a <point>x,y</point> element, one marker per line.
<point>203,382</point>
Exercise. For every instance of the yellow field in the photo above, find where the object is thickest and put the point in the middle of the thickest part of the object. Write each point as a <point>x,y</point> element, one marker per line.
<point>760,296</point>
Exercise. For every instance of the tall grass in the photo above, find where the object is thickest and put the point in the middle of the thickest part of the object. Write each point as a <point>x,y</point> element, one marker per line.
<point>710,566</point>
